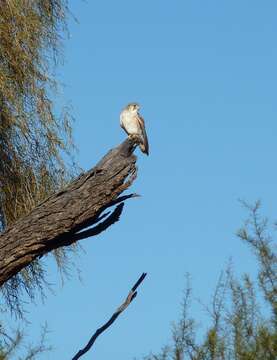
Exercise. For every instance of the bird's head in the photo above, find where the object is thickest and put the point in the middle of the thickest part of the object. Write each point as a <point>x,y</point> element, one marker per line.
<point>133,107</point>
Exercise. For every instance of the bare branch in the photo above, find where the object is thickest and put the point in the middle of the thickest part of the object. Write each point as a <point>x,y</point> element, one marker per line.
<point>132,294</point>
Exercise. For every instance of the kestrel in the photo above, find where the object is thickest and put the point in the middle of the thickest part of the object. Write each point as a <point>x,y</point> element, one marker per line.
<point>132,122</point>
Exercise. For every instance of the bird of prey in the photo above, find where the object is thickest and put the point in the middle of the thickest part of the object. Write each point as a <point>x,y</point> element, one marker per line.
<point>132,122</point>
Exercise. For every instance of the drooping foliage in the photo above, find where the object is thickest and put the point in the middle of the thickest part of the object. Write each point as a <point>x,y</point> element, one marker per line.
<point>243,316</point>
<point>31,136</point>
<point>35,143</point>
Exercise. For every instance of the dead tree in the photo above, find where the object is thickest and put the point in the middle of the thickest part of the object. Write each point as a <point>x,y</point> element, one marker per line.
<point>63,218</point>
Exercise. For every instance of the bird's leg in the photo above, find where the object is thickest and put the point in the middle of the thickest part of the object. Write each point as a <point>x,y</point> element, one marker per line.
<point>135,138</point>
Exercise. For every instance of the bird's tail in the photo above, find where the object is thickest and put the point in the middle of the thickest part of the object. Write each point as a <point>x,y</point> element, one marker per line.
<point>144,145</point>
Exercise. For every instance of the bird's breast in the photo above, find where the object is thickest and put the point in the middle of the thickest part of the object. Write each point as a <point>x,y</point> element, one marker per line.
<point>130,123</point>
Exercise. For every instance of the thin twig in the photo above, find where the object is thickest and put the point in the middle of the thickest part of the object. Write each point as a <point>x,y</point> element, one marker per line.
<point>132,294</point>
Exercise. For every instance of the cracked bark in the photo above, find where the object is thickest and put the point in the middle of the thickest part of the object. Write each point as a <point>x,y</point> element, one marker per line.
<point>61,219</point>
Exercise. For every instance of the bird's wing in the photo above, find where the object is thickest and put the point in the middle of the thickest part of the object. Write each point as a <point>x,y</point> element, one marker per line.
<point>145,146</point>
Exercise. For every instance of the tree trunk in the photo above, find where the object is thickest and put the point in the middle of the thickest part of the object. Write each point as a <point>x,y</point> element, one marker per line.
<point>60,219</point>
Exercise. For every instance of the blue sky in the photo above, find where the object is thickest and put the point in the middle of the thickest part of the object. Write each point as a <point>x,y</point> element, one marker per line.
<point>205,75</point>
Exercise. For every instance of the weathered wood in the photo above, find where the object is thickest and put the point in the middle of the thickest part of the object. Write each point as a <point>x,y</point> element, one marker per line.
<point>60,219</point>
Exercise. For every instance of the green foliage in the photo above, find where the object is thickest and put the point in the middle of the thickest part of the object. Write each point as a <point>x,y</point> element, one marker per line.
<point>239,329</point>
<point>31,136</point>
<point>34,142</point>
